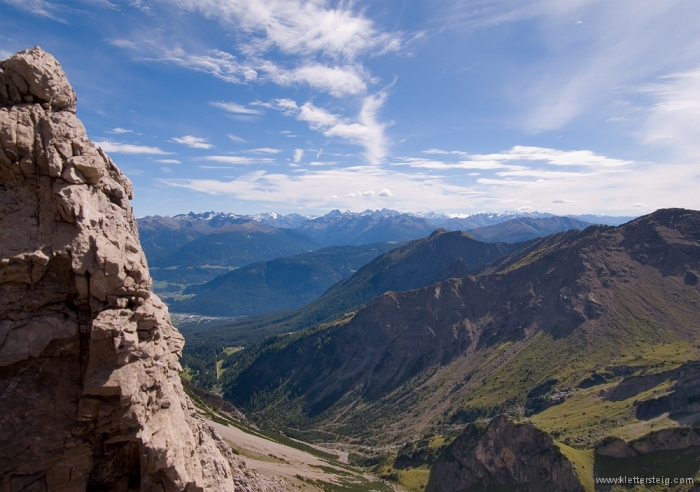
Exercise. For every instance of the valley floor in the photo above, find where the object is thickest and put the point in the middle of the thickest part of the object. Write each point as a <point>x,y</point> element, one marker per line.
<point>302,466</point>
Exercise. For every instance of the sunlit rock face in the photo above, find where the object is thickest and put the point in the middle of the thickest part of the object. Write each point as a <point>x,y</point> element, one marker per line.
<point>90,397</point>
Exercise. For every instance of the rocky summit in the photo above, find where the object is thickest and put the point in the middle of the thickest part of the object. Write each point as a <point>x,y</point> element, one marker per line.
<point>503,456</point>
<point>89,386</point>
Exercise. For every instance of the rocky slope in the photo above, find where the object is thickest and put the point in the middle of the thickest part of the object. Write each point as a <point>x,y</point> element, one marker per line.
<point>503,456</point>
<point>89,386</point>
<point>544,319</point>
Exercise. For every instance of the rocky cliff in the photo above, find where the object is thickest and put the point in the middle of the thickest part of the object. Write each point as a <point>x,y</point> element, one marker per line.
<point>89,386</point>
<point>503,456</point>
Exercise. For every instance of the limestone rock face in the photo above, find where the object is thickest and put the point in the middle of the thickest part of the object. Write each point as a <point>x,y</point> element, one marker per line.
<point>503,456</point>
<point>90,397</point>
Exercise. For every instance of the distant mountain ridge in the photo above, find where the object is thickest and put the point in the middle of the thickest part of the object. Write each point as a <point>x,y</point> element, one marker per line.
<point>183,251</point>
<point>161,234</point>
<point>278,284</point>
<point>415,264</point>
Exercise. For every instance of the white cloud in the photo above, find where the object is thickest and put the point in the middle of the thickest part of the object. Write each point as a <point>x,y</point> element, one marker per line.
<point>122,148</point>
<point>236,108</point>
<point>338,81</point>
<point>302,27</point>
<point>322,44</point>
<point>603,189</point>
<point>120,131</point>
<point>265,150</point>
<point>335,79</point>
<point>521,154</point>
<point>313,187</point>
<point>298,154</point>
<point>236,138</point>
<point>168,161</point>
<point>364,130</point>
<point>231,159</point>
<point>193,142</point>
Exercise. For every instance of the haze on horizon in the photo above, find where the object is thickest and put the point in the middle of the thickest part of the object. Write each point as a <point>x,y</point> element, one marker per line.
<point>568,107</point>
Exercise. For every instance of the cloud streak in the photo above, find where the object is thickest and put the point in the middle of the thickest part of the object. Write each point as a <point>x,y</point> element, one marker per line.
<point>364,130</point>
<point>193,142</point>
<point>122,148</point>
<point>521,154</point>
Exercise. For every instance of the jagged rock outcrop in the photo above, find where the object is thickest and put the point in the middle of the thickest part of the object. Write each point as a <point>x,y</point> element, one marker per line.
<point>504,454</point>
<point>90,396</point>
<point>685,397</point>
<point>671,439</point>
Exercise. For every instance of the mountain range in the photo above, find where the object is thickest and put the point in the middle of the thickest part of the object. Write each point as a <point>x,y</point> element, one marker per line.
<point>519,335</point>
<point>192,249</point>
<point>161,235</point>
<point>415,264</point>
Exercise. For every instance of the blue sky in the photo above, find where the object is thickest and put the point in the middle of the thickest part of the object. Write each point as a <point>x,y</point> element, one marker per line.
<point>566,106</point>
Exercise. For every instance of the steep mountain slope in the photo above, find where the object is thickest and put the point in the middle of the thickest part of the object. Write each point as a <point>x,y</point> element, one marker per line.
<point>526,228</point>
<point>415,264</point>
<point>279,284</point>
<point>542,319</point>
<point>336,228</point>
<point>209,256</point>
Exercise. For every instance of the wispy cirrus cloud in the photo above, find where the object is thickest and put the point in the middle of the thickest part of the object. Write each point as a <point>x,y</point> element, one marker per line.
<point>232,159</point>
<point>264,150</point>
<point>301,27</point>
<point>41,8</point>
<point>125,148</point>
<point>339,80</point>
<point>675,113</point>
<point>592,52</point>
<point>232,107</point>
<point>364,129</point>
<point>519,153</point>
